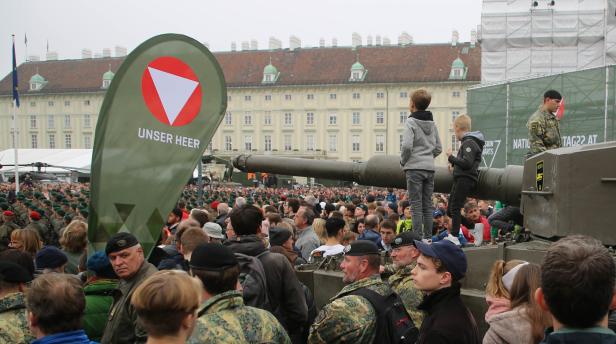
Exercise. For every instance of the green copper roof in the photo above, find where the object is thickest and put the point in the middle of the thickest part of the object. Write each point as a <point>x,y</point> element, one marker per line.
<point>108,75</point>
<point>357,66</point>
<point>37,78</point>
<point>270,69</point>
<point>458,63</point>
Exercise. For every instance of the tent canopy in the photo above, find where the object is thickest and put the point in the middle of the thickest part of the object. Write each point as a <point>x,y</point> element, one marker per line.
<point>60,160</point>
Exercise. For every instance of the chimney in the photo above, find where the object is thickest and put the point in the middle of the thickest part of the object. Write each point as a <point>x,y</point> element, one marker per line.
<point>378,39</point>
<point>321,42</point>
<point>369,41</point>
<point>294,43</point>
<point>334,42</point>
<point>120,51</point>
<point>386,41</point>
<point>254,45</point>
<point>454,38</point>
<point>405,39</point>
<point>355,40</point>
<point>473,38</point>
<point>274,43</point>
<point>233,46</point>
<point>51,56</point>
<point>86,53</point>
<point>106,52</point>
<point>245,45</point>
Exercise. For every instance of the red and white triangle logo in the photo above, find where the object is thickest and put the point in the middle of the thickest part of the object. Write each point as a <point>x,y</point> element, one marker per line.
<point>171,91</point>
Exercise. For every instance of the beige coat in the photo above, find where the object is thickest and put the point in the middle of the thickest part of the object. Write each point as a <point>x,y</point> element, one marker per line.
<point>509,327</point>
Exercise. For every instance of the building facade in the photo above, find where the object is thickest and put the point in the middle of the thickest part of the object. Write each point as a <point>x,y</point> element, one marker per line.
<point>322,103</point>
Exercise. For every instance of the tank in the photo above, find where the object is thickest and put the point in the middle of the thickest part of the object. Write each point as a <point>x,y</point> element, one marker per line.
<point>560,192</point>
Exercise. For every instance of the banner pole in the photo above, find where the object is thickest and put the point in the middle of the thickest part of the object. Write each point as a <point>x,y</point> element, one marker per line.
<point>15,146</point>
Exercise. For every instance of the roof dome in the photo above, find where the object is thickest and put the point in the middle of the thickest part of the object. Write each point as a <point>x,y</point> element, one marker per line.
<point>458,63</point>
<point>37,78</point>
<point>357,66</point>
<point>270,69</point>
<point>108,75</point>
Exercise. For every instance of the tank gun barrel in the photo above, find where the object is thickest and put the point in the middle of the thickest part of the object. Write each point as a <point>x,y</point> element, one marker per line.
<point>503,184</point>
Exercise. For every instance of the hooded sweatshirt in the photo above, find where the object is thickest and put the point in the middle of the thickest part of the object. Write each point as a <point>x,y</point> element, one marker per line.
<point>420,142</point>
<point>466,164</point>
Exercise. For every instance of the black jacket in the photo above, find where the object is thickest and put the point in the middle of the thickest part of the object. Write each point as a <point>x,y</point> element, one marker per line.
<point>595,335</point>
<point>466,164</point>
<point>447,319</point>
<point>285,293</point>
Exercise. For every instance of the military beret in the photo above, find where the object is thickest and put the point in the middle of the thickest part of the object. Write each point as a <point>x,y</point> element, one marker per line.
<point>50,257</point>
<point>405,239</point>
<point>212,256</point>
<point>34,215</point>
<point>14,273</point>
<point>120,241</point>
<point>361,248</point>
<point>364,207</point>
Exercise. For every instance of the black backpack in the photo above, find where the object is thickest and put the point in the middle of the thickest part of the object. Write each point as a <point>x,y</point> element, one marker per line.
<point>393,325</point>
<point>254,282</point>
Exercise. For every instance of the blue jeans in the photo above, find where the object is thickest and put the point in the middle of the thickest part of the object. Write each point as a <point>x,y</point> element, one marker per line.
<point>420,185</point>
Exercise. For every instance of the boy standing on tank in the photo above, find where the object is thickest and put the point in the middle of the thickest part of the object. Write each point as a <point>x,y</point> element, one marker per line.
<point>420,145</point>
<point>465,168</point>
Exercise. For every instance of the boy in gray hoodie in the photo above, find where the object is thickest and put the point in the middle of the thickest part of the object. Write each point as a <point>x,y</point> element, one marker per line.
<point>420,145</point>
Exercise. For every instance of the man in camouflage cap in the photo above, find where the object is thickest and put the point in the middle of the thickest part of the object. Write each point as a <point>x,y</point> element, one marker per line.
<point>13,321</point>
<point>223,317</point>
<point>405,254</point>
<point>351,318</point>
<point>543,128</point>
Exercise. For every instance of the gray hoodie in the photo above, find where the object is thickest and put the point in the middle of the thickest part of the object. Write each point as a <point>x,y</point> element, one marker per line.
<point>420,142</point>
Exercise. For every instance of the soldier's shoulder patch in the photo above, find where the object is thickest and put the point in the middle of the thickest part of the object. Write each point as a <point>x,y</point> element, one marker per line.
<point>534,126</point>
<point>468,149</point>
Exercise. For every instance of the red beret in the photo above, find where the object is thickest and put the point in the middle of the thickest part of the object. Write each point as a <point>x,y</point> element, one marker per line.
<point>8,213</point>
<point>214,205</point>
<point>35,215</point>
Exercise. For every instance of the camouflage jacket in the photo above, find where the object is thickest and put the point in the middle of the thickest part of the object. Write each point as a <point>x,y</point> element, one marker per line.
<point>225,319</point>
<point>13,321</point>
<point>5,232</point>
<point>402,284</point>
<point>348,318</point>
<point>543,132</point>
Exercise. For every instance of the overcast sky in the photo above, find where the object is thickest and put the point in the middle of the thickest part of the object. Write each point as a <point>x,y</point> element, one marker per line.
<point>71,25</point>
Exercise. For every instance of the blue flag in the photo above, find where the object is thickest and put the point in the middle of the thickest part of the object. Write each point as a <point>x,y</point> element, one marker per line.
<point>15,90</point>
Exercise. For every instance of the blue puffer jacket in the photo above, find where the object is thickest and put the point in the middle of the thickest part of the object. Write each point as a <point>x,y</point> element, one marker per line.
<point>371,235</point>
<point>73,337</point>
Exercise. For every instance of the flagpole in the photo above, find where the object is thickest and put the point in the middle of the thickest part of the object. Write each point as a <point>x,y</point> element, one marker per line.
<point>15,145</point>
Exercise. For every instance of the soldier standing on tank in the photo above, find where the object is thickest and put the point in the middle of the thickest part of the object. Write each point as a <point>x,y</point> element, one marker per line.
<point>405,254</point>
<point>543,128</point>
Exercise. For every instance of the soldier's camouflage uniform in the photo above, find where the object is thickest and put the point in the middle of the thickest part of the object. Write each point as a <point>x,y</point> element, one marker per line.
<point>348,318</point>
<point>225,319</point>
<point>402,284</point>
<point>13,321</point>
<point>543,132</point>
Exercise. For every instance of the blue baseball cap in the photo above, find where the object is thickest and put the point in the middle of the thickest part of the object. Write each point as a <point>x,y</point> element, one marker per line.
<point>450,254</point>
<point>437,213</point>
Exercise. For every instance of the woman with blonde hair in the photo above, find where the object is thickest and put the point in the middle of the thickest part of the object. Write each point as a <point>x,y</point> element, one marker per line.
<point>525,323</point>
<point>166,304</point>
<point>497,295</point>
<point>319,228</point>
<point>26,240</point>
<point>74,241</point>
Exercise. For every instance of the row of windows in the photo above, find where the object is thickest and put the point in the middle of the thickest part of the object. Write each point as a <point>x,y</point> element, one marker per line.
<point>68,141</point>
<point>310,143</point>
<point>51,121</point>
<point>332,96</point>
<point>51,103</point>
<point>332,118</point>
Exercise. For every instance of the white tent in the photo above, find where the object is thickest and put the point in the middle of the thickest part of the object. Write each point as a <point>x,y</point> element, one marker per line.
<point>61,161</point>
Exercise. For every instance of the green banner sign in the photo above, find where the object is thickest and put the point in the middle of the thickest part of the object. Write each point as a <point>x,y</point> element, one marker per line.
<point>159,114</point>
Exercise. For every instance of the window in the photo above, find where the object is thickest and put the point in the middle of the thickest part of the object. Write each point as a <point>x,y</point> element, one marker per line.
<point>267,144</point>
<point>51,123</point>
<point>332,96</point>
<point>268,77</point>
<point>34,141</point>
<point>288,119</point>
<point>401,138</point>
<point>356,118</point>
<point>67,103</point>
<point>380,143</point>
<point>86,102</point>
<point>50,103</point>
<point>247,98</point>
<point>456,73</point>
<point>52,141</point>
<point>287,143</point>
<point>268,97</point>
<point>248,143</point>
<point>454,143</point>
<point>310,142</point>
<point>454,114</point>
<point>403,116</point>
<point>228,118</point>
<point>310,96</point>
<point>380,95</point>
<point>332,143</point>
<point>87,122</point>
<point>380,117</point>
<point>333,119</point>
<point>228,143</point>
<point>355,143</point>
<point>67,141</point>
<point>355,75</point>
<point>87,141</point>
<point>287,97</point>
<point>247,118</point>
<point>267,118</point>
<point>404,95</point>
<point>310,118</point>
<point>67,121</point>
<point>456,94</point>
<point>355,95</point>
<point>106,83</point>
<point>33,122</point>
<point>32,104</point>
